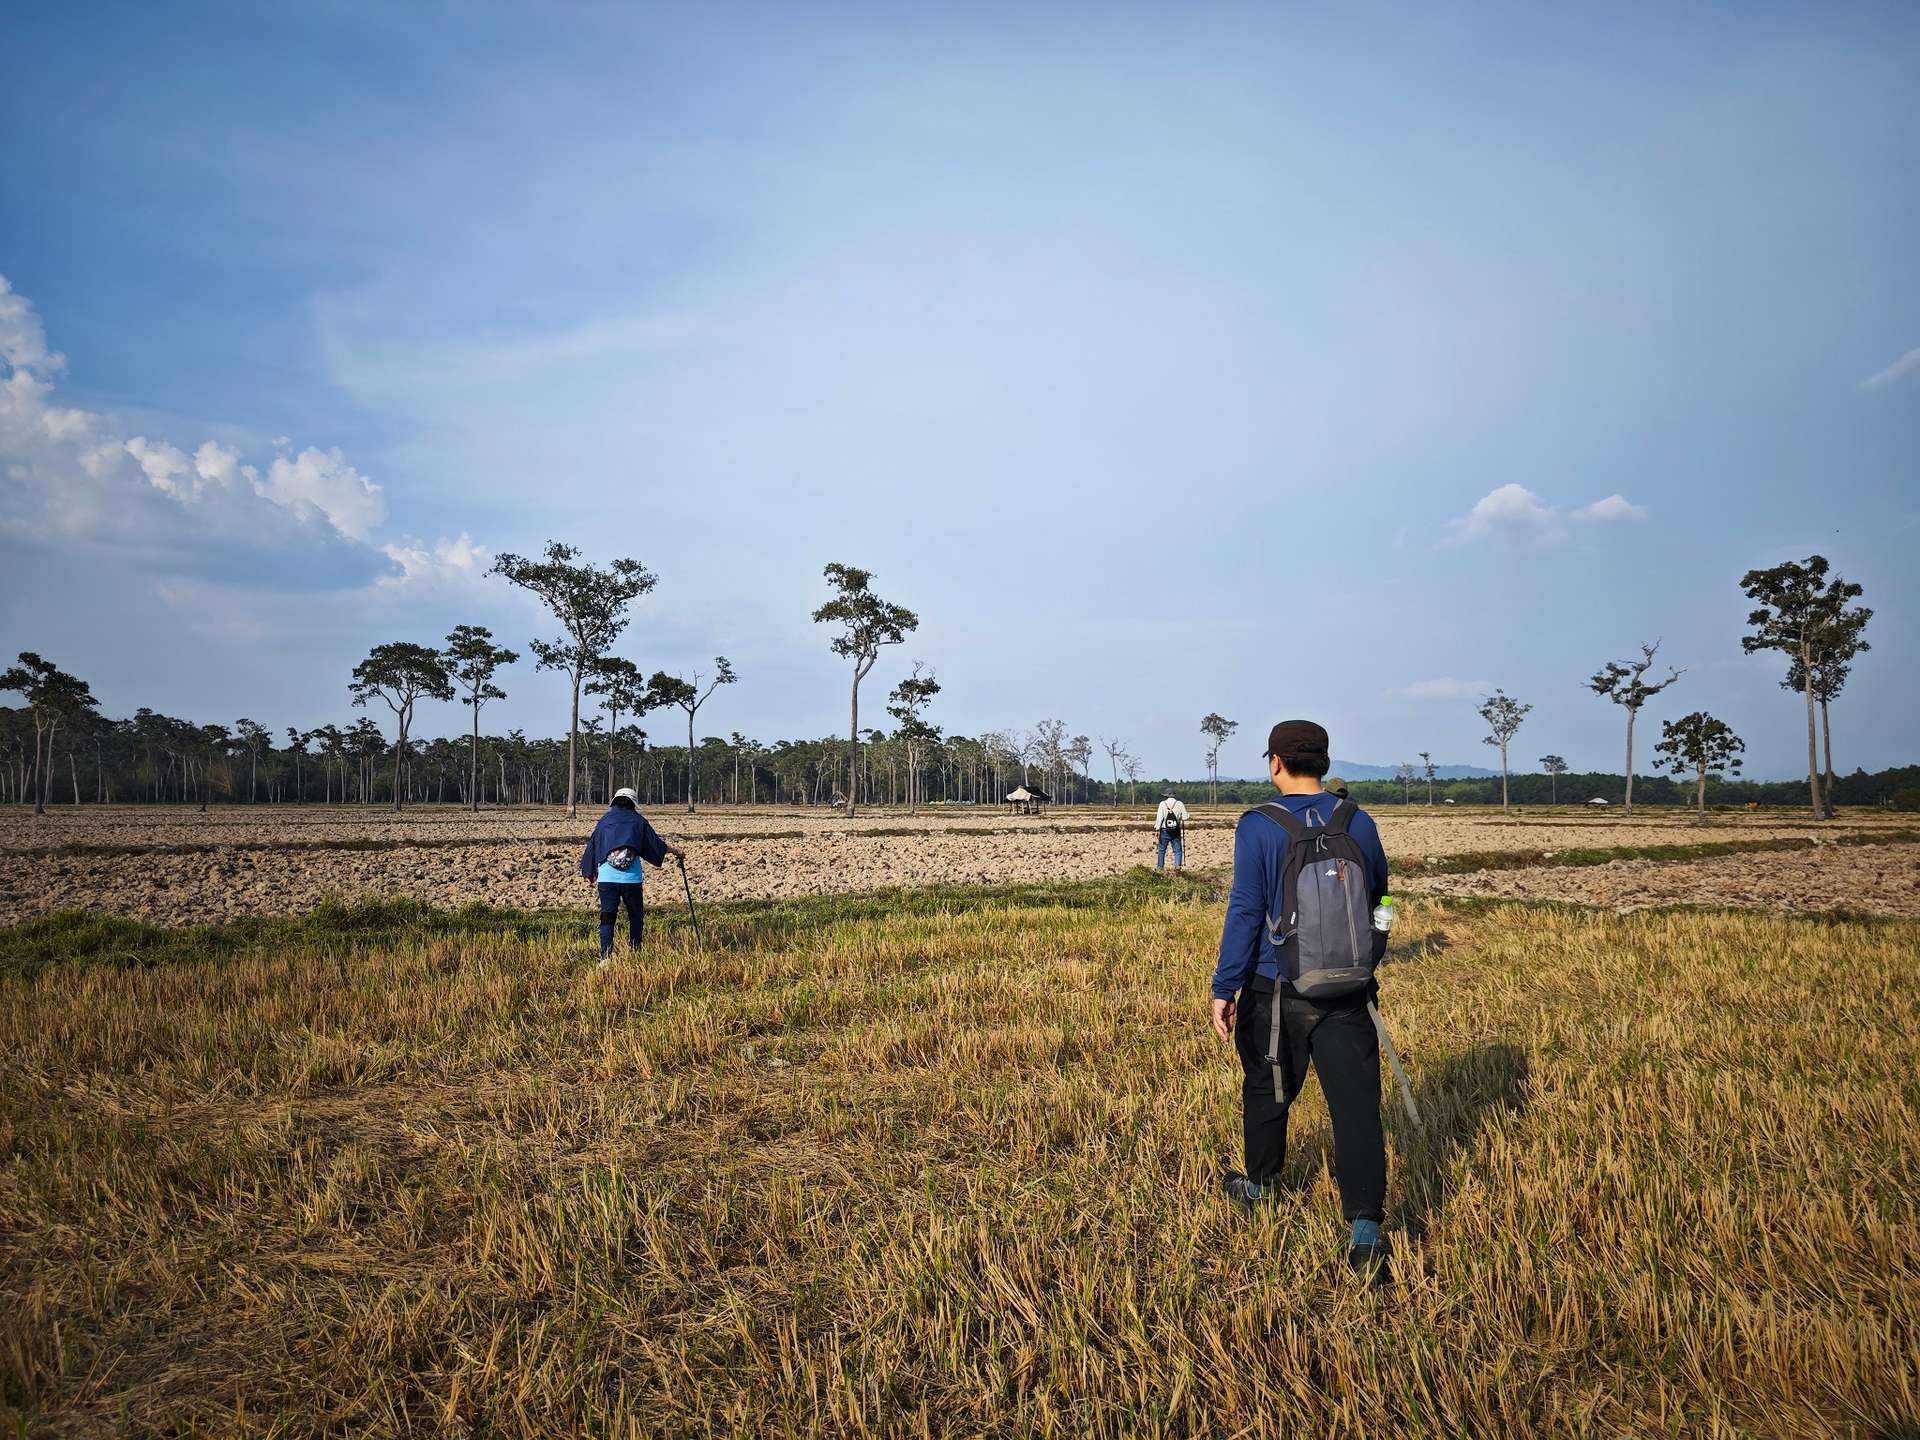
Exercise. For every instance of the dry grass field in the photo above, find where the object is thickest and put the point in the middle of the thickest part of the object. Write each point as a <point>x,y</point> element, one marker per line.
<point>942,1161</point>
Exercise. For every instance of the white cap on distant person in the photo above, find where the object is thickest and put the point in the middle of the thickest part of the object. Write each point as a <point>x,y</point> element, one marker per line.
<point>625,792</point>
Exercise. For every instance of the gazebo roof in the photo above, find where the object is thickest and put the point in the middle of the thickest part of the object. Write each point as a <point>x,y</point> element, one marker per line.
<point>1026,792</point>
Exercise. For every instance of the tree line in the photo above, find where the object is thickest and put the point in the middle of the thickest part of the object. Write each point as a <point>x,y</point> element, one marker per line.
<point>1800,611</point>
<point>161,759</point>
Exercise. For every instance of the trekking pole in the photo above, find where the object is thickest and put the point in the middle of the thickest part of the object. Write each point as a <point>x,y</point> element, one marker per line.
<point>687,885</point>
<point>1393,1059</point>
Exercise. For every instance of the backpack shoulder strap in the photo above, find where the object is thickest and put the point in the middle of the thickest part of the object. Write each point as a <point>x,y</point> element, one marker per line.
<point>1283,817</point>
<point>1342,816</point>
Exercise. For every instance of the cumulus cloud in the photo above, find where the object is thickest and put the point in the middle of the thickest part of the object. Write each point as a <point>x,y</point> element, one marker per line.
<point>446,561</point>
<point>71,478</point>
<point>1614,507</point>
<point>217,465</point>
<point>23,341</point>
<point>1514,512</point>
<point>166,467</point>
<point>1507,510</point>
<point>324,480</point>
<point>1905,365</point>
<point>1443,687</point>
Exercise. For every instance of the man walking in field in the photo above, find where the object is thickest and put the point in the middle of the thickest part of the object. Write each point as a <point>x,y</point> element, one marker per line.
<point>1169,827</point>
<point>620,842</point>
<point>1294,978</point>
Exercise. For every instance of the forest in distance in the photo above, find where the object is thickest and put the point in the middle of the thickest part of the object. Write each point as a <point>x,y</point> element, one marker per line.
<point>1802,611</point>
<point>157,759</point>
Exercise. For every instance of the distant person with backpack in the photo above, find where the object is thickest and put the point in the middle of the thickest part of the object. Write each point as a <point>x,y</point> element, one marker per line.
<point>1295,975</point>
<point>620,842</point>
<point>1169,826</point>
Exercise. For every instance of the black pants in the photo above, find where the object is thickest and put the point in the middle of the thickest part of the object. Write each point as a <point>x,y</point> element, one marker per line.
<point>611,897</point>
<point>1339,1039</point>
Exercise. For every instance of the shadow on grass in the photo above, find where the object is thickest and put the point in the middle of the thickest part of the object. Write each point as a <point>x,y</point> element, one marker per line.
<point>1435,942</point>
<point>1457,1097</point>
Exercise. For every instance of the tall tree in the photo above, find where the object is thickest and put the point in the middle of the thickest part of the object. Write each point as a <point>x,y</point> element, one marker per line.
<point>867,623</point>
<point>1218,729</point>
<point>54,698</point>
<point>1625,683</point>
<point>1114,751</point>
<point>590,602</point>
<point>1406,775</point>
<point>908,704</point>
<point>664,690</point>
<point>1837,645</point>
<point>472,660</point>
<point>1792,604</point>
<point>739,745</point>
<point>402,674</point>
<point>1429,769</point>
<point>622,691</point>
<point>1702,744</point>
<point>1080,751</point>
<point>1130,767</point>
<point>1555,768</point>
<point>1503,715</point>
<point>251,735</point>
<point>1046,743</point>
<point>213,744</point>
<point>297,742</point>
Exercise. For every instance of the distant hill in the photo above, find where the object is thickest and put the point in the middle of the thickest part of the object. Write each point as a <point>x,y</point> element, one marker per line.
<point>1353,770</point>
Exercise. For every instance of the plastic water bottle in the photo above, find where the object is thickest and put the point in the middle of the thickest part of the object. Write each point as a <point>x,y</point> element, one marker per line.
<point>1383,914</point>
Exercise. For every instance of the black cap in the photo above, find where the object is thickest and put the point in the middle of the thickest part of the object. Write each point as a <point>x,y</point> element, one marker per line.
<point>1296,739</point>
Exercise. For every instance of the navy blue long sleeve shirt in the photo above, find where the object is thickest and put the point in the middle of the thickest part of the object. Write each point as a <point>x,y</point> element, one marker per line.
<point>1259,857</point>
<point>621,828</point>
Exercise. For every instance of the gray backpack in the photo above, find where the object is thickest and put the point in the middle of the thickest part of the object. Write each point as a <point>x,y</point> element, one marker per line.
<point>1322,937</point>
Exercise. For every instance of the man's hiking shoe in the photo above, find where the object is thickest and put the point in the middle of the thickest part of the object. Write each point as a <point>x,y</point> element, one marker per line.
<point>1369,1263</point>
<point>605,961</point>
<point>1246,1193</point>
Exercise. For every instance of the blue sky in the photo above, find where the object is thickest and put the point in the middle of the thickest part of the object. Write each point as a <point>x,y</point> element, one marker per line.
<point>1269,360</point>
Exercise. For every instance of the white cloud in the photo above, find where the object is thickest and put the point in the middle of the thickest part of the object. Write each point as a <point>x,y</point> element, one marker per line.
<point>1508,510</point>
<point>1905,365</point>
<point>166,467</point>
<point>217,465</point>
<point>447,561</point>
<point>73,478</point>
<point>23,343</point>
<point>1443,687</point>
<point>324,480</point>
<point>1614,507</point>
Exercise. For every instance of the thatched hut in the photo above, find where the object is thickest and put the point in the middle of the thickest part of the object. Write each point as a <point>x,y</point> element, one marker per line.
<point>1027,800</point>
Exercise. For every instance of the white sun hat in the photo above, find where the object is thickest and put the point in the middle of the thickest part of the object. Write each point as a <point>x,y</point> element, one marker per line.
<point>625,792</point>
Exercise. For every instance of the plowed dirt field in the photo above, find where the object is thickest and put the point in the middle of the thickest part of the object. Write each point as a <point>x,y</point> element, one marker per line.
<point>173,866</point>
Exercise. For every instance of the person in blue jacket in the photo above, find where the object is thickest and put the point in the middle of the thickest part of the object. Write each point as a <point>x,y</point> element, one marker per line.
<point>620,842</point>
<point>1337,1036</point>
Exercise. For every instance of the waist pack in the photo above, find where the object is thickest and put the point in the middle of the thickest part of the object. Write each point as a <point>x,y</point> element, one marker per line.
<point>623,858</point>
<point>1322,937</point>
